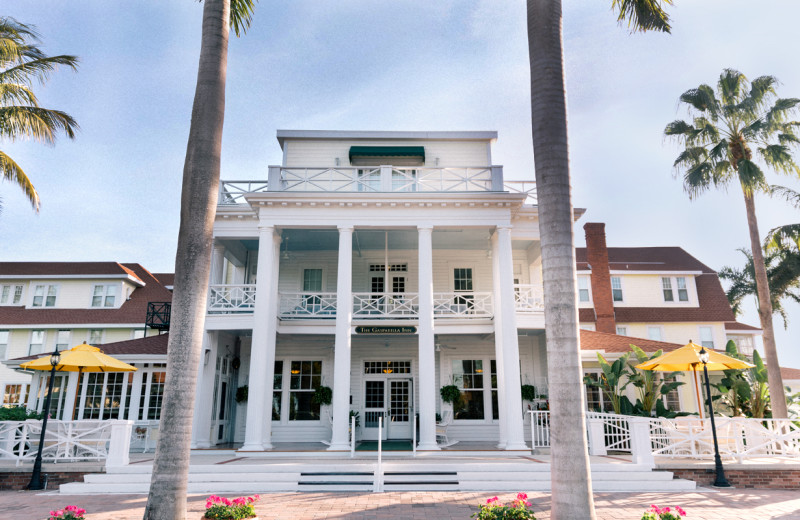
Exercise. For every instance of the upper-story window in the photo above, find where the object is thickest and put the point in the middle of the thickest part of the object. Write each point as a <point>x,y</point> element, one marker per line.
<point>616,288</point>
<point>104,295</point>
<point>622,330</point>
<point>62,339</point>
<point>95,336</point>
<point>44,296</point>
<point>655,333</point>
<point>707,337</point>
<point>4,337</point>
<point>679,283</point>
<point>583,289</point>
<point>11,294</point>
<point>36,346</point>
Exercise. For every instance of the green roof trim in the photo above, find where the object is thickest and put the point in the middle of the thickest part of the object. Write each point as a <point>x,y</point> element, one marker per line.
<point>387,151</point>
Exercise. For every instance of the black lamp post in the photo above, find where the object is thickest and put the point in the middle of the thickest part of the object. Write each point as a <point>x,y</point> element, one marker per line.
<point>720,480</point>
<point>36,478</point>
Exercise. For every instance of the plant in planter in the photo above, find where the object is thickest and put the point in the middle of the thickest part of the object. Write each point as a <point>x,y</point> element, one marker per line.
<point>68,513</point>
<point>450,394</point>
<point>322,396</point>
<point>225,509</point>
<point>517,509</point>
<point>666,513</point>
<point>241,394</point>
<point>354,413</point>
<point>528,393</point>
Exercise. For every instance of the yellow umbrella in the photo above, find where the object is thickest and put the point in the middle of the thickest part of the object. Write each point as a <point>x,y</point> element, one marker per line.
<point>83,358</point>
<point>687,358</point>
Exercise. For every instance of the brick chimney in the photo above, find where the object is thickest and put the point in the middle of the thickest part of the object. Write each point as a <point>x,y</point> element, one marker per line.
<point>597,256</point>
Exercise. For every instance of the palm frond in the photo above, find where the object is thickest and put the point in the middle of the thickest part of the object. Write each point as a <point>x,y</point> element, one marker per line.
<point>731,86</point>
<point>789,195</point>
<point>36,123</point>
<point>751,177</point>
<point>690,157</point>
<point>722,174</point>
<point>702,99</point>
<point>38,69</point>
<point>13,93</point>
<point>718,151</point>
<point>680,129</point>
<point>707,132</point>
<point>643,15</point>
<point>781,108</point>
<point>754,129</point>
<point>10,171</point>
<point>779,158</point>
<point>762,86</point>
<point>783,237</point>
<point>242,15</point>
<point>698,179</point>
<point>788,139</point>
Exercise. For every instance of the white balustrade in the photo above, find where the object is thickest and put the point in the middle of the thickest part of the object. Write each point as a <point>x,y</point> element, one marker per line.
<point>526,187</point>
<point>528,298</point>
<point>616,435</point>
<point>462,305</point>
<point>540,429</point>
<point>66,440</point>
<point>386,305</point>
<point>233,192</point>
<point>307,305</point>
<point>227,299</point>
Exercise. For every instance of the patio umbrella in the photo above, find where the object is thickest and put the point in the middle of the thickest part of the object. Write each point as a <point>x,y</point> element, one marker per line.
<point>83,358</point>
<point>687,359</point>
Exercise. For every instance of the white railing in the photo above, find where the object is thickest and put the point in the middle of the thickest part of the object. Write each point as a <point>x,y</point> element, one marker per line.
<point>144,436</point>
<point>540,429</point>
<point>226,299</point>
<point>608,432</point>
<point>388,305</point>
<point>307,305</point>
<point>526,187</point>
<point>233,192</point>
<point>378,485</point>
<point>462,305</point>
<point>528,298</point>
<point>91,440</point>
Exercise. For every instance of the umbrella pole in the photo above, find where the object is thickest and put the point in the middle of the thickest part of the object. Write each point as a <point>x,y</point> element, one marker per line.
<point>697,392</point>
<point>77,394</point>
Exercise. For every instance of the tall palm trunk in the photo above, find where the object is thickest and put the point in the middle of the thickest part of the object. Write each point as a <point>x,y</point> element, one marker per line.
<point>167,498</point>
<point>571,479</point>
<point>776,393</point>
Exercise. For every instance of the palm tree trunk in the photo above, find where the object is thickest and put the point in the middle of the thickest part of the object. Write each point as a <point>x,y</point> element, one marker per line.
<point>776,393</point>
<point>571,479</point>
<point>167,498</point>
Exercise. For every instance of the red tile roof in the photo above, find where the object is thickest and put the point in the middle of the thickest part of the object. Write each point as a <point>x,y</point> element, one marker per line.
<point>592,340</point>
<point>714,306</point>
<point>790,373</point>
<point>56,269</point>
<point>166,279</point>
<point>132,311</point>
<point>151,345</point>
<point>735,325</point>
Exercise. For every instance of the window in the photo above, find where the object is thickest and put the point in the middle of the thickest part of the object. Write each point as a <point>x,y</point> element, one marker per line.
<point>588,326</point>
<point>59,394</point>
<point>11,294</point>
<point>277,391</point>
<point>666,286</point>
<point>103,395</point>
<point>680,284</point>
<point>616,288</point>
<point>137,334</point>
<point>622,331</point>
<point>305,378</point>
<point>4,339</point>
<point>595,400</point>
<point>583,289</point>
<point>14,394</point>
<point>683,294</point>
<point>153,379</point>
<point>654,333</point>
<point>95,336</point>
<point>387,367</point>
<point>312,283</point>
<point>462,283</point>
<point>495,402</point>
<point>62,339</point>
<point>104,296</point>
<point>468,377</point>
<point>672,400</point>
<point>707,337</point>
<point>44,296</point>
<point>36,345</point>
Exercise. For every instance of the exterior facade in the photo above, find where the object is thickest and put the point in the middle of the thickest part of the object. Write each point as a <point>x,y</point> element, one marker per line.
<point>49,305</point>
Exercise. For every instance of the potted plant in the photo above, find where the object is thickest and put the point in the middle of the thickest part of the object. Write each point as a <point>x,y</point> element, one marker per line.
<point>322,396</point>
<point>528,393</point>
<point>236,509</point>
<point>68,513</point>
<point>241,394</point>
<point>450,394</point>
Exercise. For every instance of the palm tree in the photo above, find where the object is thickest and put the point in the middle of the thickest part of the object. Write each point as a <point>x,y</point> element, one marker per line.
<point>22,63</point>
<point>728,125</point>
<point>783,274</point>
<point>786,236</point>
<point>571,481</point>
<point>167,497</point>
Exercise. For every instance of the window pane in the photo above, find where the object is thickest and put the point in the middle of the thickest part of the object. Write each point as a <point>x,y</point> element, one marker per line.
<point>470,406</point>
<point>51,296</point>
<point>38,295</point>
<point>278,377</point>
<point>312,280</point>
<point>301,408</point>
<point>616,289</point>
<point>707,337</point>
<point>622,331</point>
<point>111,295</point>
<point>462,279</point>
<point>95,336</point>
<point>583,289</point>
<point>654,333</point>
<point>683,294</point>
<point>4,334</point>
<point>666,285</point>
<point>62,340</point>
<point>4,296</point>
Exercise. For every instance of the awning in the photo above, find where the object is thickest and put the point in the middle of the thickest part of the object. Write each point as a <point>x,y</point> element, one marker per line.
<point>387,151</point>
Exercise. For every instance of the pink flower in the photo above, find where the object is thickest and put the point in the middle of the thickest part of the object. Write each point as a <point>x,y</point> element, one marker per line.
<point>493,499</point>
<point>226,501</point>
<point>522,496</point>
<point>680,511</point>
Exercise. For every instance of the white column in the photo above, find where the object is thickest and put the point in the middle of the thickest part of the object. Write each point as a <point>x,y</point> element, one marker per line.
<point>272,338</point>
<point>217,263</point>
<point>515,439</point>
<point>201,427</point>
<point>498,343</point>
<point>261,344</point>
<point>342,350</point>
<point>427,356</point>
<point>71,400</point>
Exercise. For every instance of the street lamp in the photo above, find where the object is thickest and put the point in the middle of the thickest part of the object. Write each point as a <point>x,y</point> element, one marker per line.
<point>720,481</point>
<point>36,478</point>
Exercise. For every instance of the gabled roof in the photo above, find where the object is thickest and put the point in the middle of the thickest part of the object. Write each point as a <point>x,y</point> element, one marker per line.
<point>133,310</point>
<point>65,269</point>
<point>645,259</point>
<point>593,340</point>
<point>166,279</point>
<point>735,326</point>
<point>148,346</point>
<point>790,374</point>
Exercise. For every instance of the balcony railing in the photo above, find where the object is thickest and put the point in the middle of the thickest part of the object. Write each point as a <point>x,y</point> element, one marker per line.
<point>462,304</point>
<point>528,298</point>
<point>389,305</point>
<point>377,179</point>
<point>228,299</point>
<point>308,305</point>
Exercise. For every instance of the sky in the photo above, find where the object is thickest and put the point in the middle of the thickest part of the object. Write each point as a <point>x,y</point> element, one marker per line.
<point>113,192</point>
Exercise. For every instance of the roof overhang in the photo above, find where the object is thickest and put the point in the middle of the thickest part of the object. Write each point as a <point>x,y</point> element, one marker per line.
<point>283,135</point>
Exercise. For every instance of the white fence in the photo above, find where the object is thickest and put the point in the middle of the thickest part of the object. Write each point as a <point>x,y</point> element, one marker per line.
<point>231,298</point>
<point>528,298</point>
<point>682,437</point>
<point>462,305</point>
<point>307,305</point>
<point>66,441</point>
<point>389,305</point>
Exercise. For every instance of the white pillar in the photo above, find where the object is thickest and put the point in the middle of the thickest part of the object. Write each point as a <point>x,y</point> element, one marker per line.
<point>342,350</point>
<point>513,397</point>
<point>427,356</point>
<point>498,344</point>
<point>72,398</point>
<point>206,371</point>
<point>217,263</point>
<point>261,345</point>
<point>272,339</point>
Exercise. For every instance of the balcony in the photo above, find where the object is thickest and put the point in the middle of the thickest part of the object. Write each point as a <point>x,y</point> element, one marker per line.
<point>377,179</point>
<point>231,299</point>
<point>528,298</point>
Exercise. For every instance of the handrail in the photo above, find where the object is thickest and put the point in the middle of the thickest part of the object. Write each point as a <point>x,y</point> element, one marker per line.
<point>378,486</point>
<point>414,436</point>
<point>352,437</point>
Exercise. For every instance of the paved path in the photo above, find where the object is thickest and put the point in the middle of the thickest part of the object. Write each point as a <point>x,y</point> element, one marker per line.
<point>704,505</point>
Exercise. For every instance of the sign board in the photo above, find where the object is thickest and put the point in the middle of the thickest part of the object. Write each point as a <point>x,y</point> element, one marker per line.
<point>385,330</point>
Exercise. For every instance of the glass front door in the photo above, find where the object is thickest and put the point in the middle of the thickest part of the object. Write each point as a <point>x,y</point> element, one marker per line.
<point>390,399</point>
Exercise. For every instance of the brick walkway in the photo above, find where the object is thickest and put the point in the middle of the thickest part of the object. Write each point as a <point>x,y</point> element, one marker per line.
<point>711,505</point>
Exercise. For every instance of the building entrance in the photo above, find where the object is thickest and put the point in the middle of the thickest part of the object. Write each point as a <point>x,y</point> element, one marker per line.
<point>388,393</point>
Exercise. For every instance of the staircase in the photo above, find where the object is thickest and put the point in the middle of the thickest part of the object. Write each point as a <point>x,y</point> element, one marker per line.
<point>248,476</point>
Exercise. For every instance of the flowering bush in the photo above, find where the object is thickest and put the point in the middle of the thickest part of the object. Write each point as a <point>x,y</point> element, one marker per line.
<point>236,509</point>
<point>517,509</point>
<point>68,513</point>
<point>666,513</point>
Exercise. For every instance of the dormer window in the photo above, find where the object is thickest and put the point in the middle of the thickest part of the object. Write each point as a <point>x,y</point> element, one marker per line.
<point>11,294</point>
<point>104,296</point>
<point>44,296</point>
<point>680,285</point>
